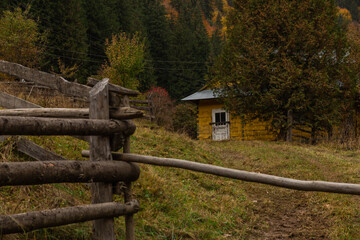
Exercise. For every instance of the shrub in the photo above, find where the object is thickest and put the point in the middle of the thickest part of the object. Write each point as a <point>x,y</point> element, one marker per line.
<point>185,119</point>
<point>125,59</point>
<point>162,106</point>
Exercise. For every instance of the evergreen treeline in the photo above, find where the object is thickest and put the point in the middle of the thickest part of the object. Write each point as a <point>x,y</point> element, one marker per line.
<point>178,46</point>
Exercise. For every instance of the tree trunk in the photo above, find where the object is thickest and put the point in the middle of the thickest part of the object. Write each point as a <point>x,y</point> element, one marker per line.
<point>290,122</point>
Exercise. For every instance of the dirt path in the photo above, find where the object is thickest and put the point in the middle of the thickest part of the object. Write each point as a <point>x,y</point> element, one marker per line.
<point>286,214</point>
<point>279,213</point>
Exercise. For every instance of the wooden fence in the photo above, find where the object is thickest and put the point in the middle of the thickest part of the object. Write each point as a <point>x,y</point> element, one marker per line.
<point>101,169</point>
<point>106,121</point>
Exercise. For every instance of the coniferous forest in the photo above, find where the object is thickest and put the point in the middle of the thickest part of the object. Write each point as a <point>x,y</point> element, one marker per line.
<point>293,59</point>
<point>181,38</point>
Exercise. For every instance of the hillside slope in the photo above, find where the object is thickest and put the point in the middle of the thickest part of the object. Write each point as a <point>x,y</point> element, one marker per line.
<point>179,204</point>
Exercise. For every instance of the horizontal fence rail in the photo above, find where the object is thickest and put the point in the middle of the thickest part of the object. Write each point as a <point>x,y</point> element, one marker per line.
<point>317,186</point>
<point>29,221</point>
<point>59,126</point>
<point>30,173</point>
<point>122,113</point>
<point>45,79</point>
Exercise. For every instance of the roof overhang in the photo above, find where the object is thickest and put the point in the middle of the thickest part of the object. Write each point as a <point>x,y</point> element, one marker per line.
<point>201,95</point>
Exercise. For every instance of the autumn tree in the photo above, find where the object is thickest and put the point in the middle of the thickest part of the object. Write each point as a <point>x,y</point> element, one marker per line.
<point>282,63</point>
<point>19,38</point>
<point>125,60</point>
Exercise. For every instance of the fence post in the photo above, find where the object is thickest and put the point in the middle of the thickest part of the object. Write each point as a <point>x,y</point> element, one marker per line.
<point>129,219</point>
<point>103,229</point>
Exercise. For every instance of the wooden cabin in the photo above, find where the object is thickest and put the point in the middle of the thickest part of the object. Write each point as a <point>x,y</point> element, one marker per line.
<point>215,123</point>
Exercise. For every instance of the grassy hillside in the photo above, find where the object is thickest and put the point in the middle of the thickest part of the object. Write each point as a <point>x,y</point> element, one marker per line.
<point>179,204</point>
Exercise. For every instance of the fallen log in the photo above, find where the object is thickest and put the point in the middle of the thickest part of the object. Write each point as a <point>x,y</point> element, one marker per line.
<point>31,173</point>
<point>122,113</point>
<point>318,186</point>
<point>59,126</point>
<point>24,222</point>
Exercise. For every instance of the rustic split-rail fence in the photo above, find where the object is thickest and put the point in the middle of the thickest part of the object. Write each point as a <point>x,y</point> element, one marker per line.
<point>108,123</point>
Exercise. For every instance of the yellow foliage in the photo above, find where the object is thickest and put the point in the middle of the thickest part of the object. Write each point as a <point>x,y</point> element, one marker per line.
<point>345,14</point>
<point>19,38</point>
<point>125,60</point>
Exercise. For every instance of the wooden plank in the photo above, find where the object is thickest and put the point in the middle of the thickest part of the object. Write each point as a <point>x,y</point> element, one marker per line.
<point>44,172</point>
<point>24,222</point>
<point>103,229</point>
<point>45,79</point>
<point>114,88</point>
<point>318,186</point>
<point>11,102</point>
<point>61,126</point>
<point>35,151</point>
<point>115,113</point>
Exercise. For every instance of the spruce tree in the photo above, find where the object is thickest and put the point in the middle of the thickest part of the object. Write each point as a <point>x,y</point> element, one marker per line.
<point>189,51</point>
<point>282,60</point>
<point>64,24</point>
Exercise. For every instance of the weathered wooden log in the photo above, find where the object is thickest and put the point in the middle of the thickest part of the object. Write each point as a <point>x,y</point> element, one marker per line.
<point>45,79</point>
<point>317,186</point>
<point>9,101</point>
<point>35,151</point>
<point>24,222</point>
<point>129,219</point>
<point>59,126</point>
<point>115,113</point>
<point>103,229</point>
<point>125,113</point>
<point>114,88</point>
<point>30,173</point>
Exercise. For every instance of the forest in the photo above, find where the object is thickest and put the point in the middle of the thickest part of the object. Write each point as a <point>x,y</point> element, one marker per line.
<point>179,46</point>
<point>181,38</point>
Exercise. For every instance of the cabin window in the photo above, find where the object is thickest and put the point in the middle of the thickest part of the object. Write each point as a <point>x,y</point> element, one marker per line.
<point>220,118</point>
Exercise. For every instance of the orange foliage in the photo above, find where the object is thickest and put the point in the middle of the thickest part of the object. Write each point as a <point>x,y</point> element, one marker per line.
<point>345,14</point>
<point>209,29</point>
<point>169,9</point>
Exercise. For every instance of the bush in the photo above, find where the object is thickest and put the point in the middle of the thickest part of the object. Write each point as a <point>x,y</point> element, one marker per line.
<point>185,119</point>
<point>162,106</point>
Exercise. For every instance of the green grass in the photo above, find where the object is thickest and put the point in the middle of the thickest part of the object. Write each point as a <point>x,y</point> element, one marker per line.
<point>180,204</point>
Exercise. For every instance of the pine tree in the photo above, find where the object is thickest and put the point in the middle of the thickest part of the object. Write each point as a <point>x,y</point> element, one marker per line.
<point>282,59</point>
<point>65,26</point>
<point>158,45</point>
<point>189,51</point>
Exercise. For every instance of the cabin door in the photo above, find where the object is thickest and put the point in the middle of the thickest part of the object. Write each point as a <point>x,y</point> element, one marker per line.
<point>220,125</point>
